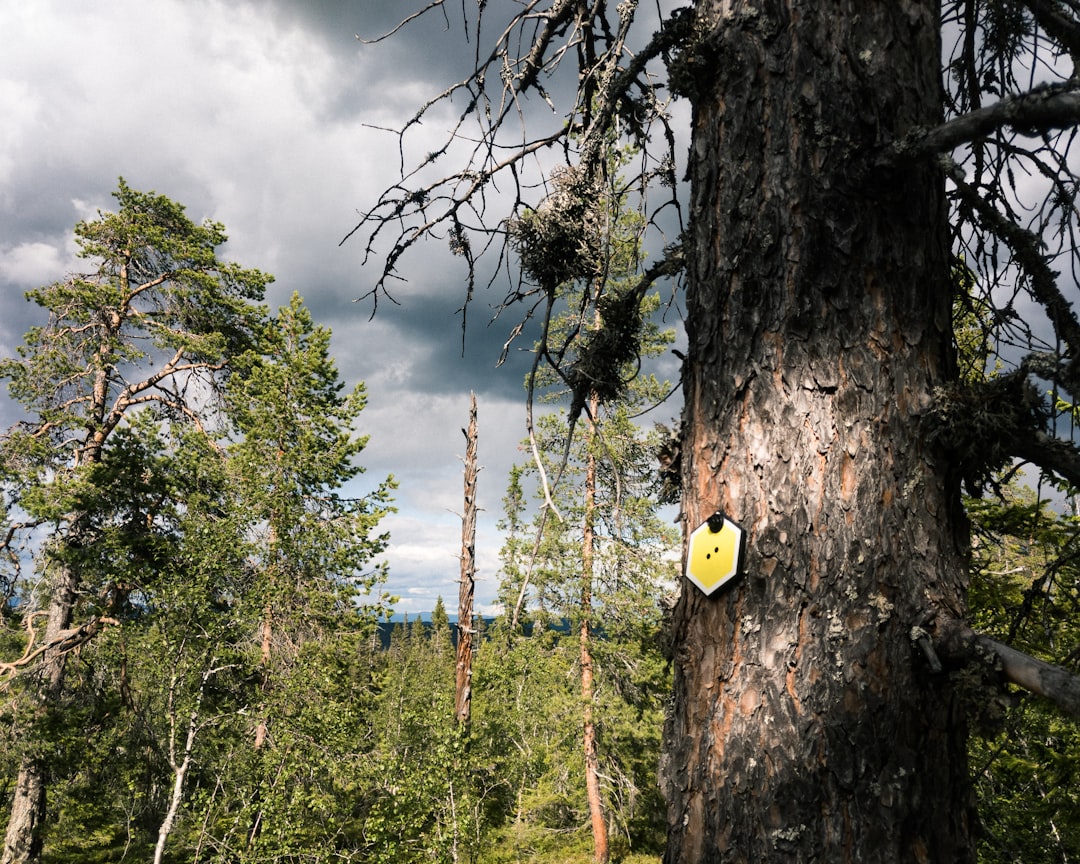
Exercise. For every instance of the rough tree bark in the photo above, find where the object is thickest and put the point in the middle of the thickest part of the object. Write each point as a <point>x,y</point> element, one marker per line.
<point>805,727</point>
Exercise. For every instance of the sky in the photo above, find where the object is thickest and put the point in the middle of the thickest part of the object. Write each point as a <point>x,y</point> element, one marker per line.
<point>271,118</point>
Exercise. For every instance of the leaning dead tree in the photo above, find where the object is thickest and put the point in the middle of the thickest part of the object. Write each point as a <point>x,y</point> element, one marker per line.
<point>847,193</point>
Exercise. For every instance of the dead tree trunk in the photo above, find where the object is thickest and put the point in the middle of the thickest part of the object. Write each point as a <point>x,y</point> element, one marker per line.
<point>589,743</point>
<point>818,318</point>
<point>467,587</point>
<point>266,643</point>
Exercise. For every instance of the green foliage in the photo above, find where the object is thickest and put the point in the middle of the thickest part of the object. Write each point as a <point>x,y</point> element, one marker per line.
<point>184,457</point>
<point>632,566</point>
<point>597,568</point>
<point>229,701</point>
<point>419,805</point>
<point>526,744</point>
<point>1025,592</point>
<point>527,720</point>
<point>296,762</point>
<point>294,450</point>
<point>159,309</point>
<point>972,327</point>
<point>1026,762</point>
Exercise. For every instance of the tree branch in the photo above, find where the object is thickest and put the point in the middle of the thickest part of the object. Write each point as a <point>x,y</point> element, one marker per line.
<point>1058,25</point>
<point>1051,454</point>
<point>959,644</point>
<point>65,642</point>
<point>1039,110</point>
<point>1026,246</point>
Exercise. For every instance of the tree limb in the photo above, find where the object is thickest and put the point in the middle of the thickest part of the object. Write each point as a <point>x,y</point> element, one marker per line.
<point>1040,110</point>
<point>66,641</point>
<point>958,644</point>
<point>1058,25</point>
<point>1026,246</point>
<point>1051,454</point>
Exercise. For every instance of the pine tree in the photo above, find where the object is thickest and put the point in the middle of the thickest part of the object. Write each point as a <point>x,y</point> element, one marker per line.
<point>828,172</point>
<point>152,328</point>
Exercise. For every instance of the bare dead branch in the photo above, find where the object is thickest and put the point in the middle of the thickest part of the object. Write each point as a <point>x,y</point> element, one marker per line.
<point>958,644</point>
<point>1053,455</point>
<point>1055,19</point>
<point>64,643</point>
<point>1027,247</point>
<point>403,23</point>
<point>1043,109</point>
<point>531,46</point>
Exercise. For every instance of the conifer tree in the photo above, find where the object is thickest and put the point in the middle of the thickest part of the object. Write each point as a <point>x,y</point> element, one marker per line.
<point>598,551</point>
<point>151,328</point>
<point>834,152</point>
<point>308,542</point>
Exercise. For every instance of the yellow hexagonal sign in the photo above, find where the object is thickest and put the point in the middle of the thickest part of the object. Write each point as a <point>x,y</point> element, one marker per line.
<point>714,556</point>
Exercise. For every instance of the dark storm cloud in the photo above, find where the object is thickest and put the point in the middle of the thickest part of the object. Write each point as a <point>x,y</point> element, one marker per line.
<point>271,118</point>
<point>262,120</point>
<point>432,49</point>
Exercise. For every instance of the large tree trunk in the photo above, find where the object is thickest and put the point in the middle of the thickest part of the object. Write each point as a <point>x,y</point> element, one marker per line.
<point>23,840</point>
<point>805,727</point>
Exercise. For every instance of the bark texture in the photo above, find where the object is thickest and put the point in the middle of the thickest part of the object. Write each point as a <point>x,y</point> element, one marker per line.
<point>22,842</point>
<point>805,727</point>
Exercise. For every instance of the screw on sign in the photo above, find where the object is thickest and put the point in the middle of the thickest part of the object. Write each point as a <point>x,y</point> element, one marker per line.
<point>714,556</point>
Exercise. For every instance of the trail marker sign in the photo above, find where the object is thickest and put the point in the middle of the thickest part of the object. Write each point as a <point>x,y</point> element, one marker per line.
<point>714,556</point>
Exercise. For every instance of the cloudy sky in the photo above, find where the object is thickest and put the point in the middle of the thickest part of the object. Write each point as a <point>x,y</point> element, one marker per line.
<point>267,117</point>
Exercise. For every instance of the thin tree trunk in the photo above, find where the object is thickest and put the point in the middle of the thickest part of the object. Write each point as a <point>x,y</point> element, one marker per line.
<point>177,796</point>
<point>467,587</point>
<point>180,768</point>
<point>818,322</point>
<point>261,728</point>
<point>588,552</point>
<point>264,664</point>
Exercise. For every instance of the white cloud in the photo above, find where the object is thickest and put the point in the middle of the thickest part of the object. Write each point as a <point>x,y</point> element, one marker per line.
<point>30,264</point>
<point>262,116</point>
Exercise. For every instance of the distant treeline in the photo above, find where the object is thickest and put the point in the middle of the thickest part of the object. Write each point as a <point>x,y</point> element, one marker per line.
<point>386,628</point>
